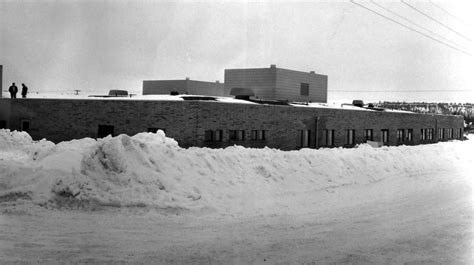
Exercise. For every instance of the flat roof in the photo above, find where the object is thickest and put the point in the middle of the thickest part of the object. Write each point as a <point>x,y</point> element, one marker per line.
<point>222,99</point>
<point>278,68</point>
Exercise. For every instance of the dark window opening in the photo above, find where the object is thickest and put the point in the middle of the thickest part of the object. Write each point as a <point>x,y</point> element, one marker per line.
<point>304,89</point>
<point>440,133</point>
<point>430,134</point>
<point>350,137</point>
<point>25,125</point>
<point>237,135</point>
<point>105,130</point>
<point>369,135</point>
<point>329,137</point>
<point>410,135</point>
<point>423,134</point>
<point>3,124</point>
<point>213,135</point>
<point>303,138</point>
<point>258,135</point>
<point>385,135</point>
<point>400,135</point>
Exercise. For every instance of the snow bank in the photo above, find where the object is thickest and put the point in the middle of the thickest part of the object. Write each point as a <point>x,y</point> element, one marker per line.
<point>151,170</point>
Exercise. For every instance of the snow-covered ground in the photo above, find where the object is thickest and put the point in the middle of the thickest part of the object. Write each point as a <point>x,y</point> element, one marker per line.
<point>143,199</point>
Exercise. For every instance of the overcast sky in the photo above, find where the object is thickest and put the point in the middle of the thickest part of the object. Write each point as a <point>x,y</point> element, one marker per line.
<point>100,45</point>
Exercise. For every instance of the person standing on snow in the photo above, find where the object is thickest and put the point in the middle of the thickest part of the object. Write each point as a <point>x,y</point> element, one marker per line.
<point>13,90</point>
<point>24,90</point>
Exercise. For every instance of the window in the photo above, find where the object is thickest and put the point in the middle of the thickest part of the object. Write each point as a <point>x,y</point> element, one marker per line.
<point>329,137</point>
<point>440,133</point>
<point>385,135</point>
<point>218,135</point>
<point>25,125</point>
<point>450,133</point>
<point>155,130</point>
<point>105,130</point>
<point>236,135</point>
<point>369,135</point>
<point>213,136</point>
<point>3,124</point>
<point>303,138</point>
<point>400,135</point>
<point>258,135</point>
<point>410,135</point>
<point>458,133</point>
<point>304,89</point>
<point>208,135</point>
<point>350,136</point>
<point>430,134</point>
<point>423,134</point>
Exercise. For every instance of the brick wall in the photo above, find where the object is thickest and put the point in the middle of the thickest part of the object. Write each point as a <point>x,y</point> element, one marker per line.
<point>156,87</point>
<point>278,84</point>
<point>261,80</point>
<point>288,86</point>
<point>205,88</point>
<point>187,121</point>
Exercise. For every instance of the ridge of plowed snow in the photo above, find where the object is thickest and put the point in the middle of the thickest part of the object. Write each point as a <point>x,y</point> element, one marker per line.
<point>149,169</point>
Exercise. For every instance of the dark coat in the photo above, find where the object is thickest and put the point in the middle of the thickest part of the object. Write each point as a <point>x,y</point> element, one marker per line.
<point>24,90</point>
<point>13,89</point>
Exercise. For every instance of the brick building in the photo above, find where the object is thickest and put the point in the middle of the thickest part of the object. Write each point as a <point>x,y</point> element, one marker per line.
<point>279,84</point>
<point>186,86</point>
<point>267,83</point>
<point>218,124</point>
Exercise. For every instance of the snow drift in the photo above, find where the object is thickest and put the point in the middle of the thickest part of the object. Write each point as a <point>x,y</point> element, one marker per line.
<point>151,170</point>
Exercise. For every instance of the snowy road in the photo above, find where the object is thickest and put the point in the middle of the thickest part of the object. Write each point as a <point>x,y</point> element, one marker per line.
<point>423,218</point>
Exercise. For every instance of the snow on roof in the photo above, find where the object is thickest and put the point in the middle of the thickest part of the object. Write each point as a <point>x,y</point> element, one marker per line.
<point>165,97</point>
<point>342,106</point>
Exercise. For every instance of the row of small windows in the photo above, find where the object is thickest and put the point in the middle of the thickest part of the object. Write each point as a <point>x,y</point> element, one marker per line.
<point>402,135</point>
<point>234,135</point>
<point>304,136</point>
<point>209,135</point>
<point>443,134</point>
<point>24,125</point>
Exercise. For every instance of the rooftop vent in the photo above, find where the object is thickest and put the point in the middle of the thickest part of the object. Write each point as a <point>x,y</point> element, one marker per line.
<point>242,92</point>
<point>273,66</point>
<point>312,72</point>
<point>358,103</point>
<point>118,93</point>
